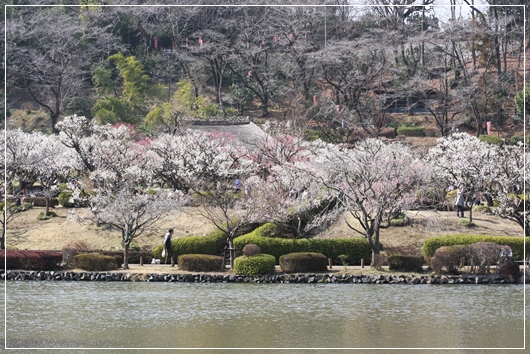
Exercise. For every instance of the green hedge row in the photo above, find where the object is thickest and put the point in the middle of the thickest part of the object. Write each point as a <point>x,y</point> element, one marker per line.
<point>354,248</point>
<point>411,131</point>
<point>210,244</point>
<point>255,265</point>
<point>515,243</point>
<point>490,139</point>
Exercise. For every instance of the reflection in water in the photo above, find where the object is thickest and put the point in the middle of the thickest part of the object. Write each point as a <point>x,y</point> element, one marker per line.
<point>179,315</point>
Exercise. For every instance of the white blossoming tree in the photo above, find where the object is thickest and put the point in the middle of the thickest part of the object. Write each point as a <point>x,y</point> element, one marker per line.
<point>511,196</point>
<point>462,159</point>
<point>122,170</point>
<point>39,158</point>
<point>373,182</point>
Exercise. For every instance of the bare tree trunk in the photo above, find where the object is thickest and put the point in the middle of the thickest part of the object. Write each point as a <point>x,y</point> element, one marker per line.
<point>126,255</point>
<point>232,251</point>
<point>47,209</point>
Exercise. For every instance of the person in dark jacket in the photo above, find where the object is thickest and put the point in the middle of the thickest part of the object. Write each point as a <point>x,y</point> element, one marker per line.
<point>167,245</point>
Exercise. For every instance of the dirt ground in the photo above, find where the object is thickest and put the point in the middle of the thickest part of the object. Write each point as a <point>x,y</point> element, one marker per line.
<point>26,232</point>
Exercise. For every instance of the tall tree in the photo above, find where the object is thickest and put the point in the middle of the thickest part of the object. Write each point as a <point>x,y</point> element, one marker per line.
<point>373,182</point>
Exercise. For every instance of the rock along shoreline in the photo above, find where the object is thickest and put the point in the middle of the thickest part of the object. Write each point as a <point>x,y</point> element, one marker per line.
<point>323,278</point>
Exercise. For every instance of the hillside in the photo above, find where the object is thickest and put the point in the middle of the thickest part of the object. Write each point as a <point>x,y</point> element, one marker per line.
<point>26,232</point>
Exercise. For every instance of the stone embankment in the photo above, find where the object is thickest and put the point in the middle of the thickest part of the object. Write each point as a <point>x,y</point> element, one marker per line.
<point>279,278</point>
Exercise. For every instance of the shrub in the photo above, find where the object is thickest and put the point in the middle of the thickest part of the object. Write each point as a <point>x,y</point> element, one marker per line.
<point>466,223</point>
<point>509,270</point>
<point>25,206</point>
<point>515,243</point>
<point>484,209</point>
<point>516,139</point>
<point>134,247</point>
<point>51,214</point>
<point>343,259</point>
<point>303,262</point>
<point>31,260</point>
<point>490,139</point>
<point>94,262</point>
<point>482,255</point>
<point>354,248</point>
<point>64,199</point>
<point>403,220</point>
<point>251,250</point>
<point>255,265</point>
<point>405,263</point>
<point>210,244</point>
<point>71,249</point>
<point>410,131</point>
<point>451,258</point>
<point>200,262</point>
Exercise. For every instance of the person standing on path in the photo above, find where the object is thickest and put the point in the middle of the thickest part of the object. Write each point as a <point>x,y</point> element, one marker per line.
<point>459,201</point>
<point>167,245</point>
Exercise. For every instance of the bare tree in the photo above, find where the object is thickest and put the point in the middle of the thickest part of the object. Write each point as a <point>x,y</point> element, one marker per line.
<point>49,52</point>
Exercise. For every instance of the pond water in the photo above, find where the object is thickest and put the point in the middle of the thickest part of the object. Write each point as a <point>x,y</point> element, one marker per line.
<point>233,315</point>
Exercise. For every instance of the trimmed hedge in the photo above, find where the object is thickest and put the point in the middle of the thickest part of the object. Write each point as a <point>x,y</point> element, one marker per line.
<point>94,262</point>
<point>405,263</point>
<point>41,201</point>
<point>30,260</point>
<point>515,243</point>
<point>210,244</point>
<point>354,248</point>
<point>411,131</point>
<point>134,256</point>
<point>200,262</point>
<point>301,262</point>
<point>490,139</point>
<point>255,265</point>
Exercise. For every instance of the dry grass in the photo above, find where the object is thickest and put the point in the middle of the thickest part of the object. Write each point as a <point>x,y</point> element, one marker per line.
<point>26,232</point>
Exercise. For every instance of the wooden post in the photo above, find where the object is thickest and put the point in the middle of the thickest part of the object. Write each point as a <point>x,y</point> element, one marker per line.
<point>330,263</point>
<point>362,262</point>
<point>141,261</point>
<point>172,262</point>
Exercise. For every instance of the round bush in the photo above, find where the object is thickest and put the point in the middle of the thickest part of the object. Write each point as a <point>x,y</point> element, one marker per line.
<point>251,250</point>
<point>200,262</point>
<point>301,262</point>
<point>448,257</point>
<point>255,265</point>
